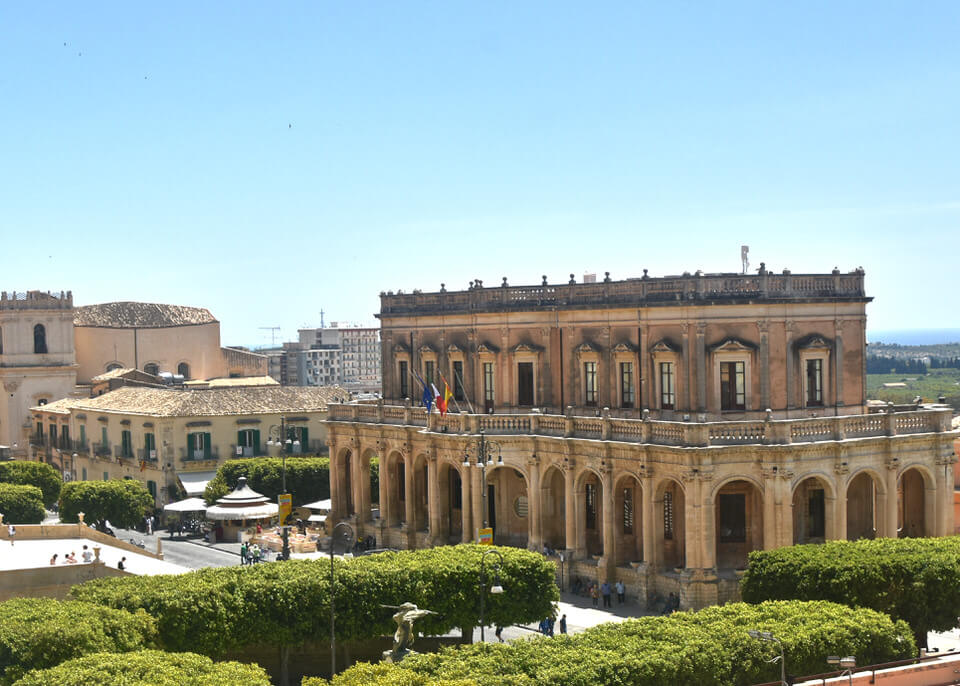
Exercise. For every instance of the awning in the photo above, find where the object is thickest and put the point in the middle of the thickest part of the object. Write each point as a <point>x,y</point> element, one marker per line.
<point>260,511</point>
<point>195,483</point>
<point>186,505</point>
<point>319,505</point>
<point>317,518</point>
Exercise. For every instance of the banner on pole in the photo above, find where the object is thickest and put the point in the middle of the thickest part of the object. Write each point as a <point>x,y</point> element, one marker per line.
<point>285,501</point>
<point>485,536</point>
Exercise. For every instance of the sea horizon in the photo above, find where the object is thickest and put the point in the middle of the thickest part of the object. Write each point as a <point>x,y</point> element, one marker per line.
<point>913,336</point>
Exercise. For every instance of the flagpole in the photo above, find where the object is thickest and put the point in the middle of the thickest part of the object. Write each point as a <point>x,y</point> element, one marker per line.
<point>469,404</point>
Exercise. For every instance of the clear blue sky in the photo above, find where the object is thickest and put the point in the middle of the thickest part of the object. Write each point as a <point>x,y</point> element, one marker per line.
<point>267,160</point>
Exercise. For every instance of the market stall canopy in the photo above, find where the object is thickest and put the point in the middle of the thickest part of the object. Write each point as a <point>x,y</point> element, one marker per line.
<point>317,518</point>
<point>195,483</point>
<point>243,503</point>
<point>319,505</point>
<point>186,505</point>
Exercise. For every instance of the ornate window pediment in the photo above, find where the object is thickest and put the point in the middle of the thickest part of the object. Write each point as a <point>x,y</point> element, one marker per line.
<point>814,342</point>
<point>665,345</point>
<point>732,345</point>
<point>401,348</point>
<point>586,347</point>
<point>624,347</point>
<point>427,349</point>
<point>487,348</point>
<point>454,349</point>
<point>525,348</point>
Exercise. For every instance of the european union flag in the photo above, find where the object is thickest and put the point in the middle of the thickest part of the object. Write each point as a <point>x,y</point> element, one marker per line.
<point>427,398</point>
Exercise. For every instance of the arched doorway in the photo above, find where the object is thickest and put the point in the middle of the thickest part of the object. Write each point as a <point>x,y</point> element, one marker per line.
<point>739,523</point>
<point>590,513</point>
<point>627,520</point>
<point>452,502</point>
<point>913,520</point>
<point>812,511</point>
<point>346,506</point>
<point>507,506</point>
<point>864,505</point>
<point>669,508</point>
<point>553,509</point>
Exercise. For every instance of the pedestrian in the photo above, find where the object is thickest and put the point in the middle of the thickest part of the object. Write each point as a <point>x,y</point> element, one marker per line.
<point>243,553</point>
<point>594,594</point>
<point>606,591</point>
<point>87,555</point>
<point>621,592</point>
<point>150,525</point>
<point>120,565</point>
<point>563,624</point>
<point>256,553</point>
<point>550,623</point>
<point>53,560</point>
<point>498,632</point>
<point>11,532</point>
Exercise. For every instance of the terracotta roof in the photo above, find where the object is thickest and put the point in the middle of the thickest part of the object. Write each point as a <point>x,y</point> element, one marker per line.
<point>113,374</point>
<point>161,402</point>
<point>62,406</point>
<point>233,382</point>
<point>124,315</point>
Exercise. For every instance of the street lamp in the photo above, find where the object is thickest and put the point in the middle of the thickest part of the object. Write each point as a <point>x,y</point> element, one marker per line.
<point>285,447</point>
<point>483,454</point>
<point>333,636</point>
<point>495,589</point>
<point>848,664</point>
<point>770,638</point>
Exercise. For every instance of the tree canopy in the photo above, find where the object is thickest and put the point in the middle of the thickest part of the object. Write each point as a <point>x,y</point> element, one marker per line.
<point>39,474</point>
<point>124,502</point>
<point>21,504</point>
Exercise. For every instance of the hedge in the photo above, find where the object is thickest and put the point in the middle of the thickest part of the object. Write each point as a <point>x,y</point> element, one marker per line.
<point>913,579</point>
<point>36,633</point>
<point>288,603</point>
<point>38,474</point>
<point>147,667</point>
<point>706,647</point>
<point>123,501</point>
<point>21,504</point>
<point>308,478</point>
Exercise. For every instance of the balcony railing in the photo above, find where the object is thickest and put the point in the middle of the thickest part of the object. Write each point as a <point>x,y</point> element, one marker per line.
<point>102,450</point>
<point>192,455</point>
<point>698,434</point>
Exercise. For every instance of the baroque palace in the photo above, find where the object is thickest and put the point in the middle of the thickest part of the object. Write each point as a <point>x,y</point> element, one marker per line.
<point>652,430</point>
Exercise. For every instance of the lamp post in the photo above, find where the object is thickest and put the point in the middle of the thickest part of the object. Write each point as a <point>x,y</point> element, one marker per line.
<point>848,664</point>
<point>483,453</point>
<point>770,638</point>
<point>286,444</point>
<point>333,635</point>
<point>495,589</point>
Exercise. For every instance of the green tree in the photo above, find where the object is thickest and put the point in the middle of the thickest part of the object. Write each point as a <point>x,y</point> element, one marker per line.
<point>36,633</point>
<point>123,502</point>
<point>147,667</point>
<point>21,504</point>
<point>39,474</point>
<point>308,478</point>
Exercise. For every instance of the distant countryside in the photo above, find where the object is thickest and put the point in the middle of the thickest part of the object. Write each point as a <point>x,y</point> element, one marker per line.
<point>900,373</point>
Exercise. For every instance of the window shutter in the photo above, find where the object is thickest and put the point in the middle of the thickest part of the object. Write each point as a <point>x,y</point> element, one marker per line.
<point>206,446</point>
<point>240,437</point>
<point>304,440</point>
<point>256,441</point>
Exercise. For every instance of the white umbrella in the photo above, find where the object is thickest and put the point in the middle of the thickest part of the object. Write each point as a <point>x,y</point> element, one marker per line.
<point>187,505</point>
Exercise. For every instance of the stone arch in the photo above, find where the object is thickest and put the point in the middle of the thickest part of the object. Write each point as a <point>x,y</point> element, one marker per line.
<point>738,509</point>
<point>553,508</point>
<point>669,525</point>
<point>916,500</point>
<point>394,469</point>
<point>628,518</point>
<point>421,491</point>
<point>507,506</point>
<point>814,505</point>
<point>865,507</point>
<point>589,485</point>
<point>452,502</point>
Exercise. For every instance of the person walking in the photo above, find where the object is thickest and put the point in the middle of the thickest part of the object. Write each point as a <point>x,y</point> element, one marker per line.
<point>563,624</point>
<point>606,591</point>
<point>621,592</point>
<point>11,532</point>
<point>550,623</point>
<point>498,632</point>
<point>121,565</point>
<point>594,594</point>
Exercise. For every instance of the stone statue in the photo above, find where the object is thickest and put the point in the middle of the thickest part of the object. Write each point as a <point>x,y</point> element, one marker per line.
<point>405,615</point>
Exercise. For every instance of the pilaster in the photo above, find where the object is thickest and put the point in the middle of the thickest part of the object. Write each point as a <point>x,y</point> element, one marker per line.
<point>535,536</point>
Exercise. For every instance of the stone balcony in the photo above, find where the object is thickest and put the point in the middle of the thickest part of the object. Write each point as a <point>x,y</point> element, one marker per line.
<point>36,300</point>
<point>653,432</point>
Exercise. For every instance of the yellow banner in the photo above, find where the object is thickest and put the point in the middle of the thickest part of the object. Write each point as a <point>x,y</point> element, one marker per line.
<point>285,501</point>
<point>485,536</point>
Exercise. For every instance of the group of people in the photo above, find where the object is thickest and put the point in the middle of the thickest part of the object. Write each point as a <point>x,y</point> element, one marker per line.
<point>251,554</point>
<point>547,625</point>
<point>71,558</point>
<point>604,590</point>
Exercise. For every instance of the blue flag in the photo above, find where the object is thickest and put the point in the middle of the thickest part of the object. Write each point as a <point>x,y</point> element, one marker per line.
<point>427,398</point>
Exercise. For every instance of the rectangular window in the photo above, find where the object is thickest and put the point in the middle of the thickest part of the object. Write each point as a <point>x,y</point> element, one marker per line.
<point>733,393</point>
<point>428,372</point>
<point>126,444</point>
<point>152,488</point>
<point>83,435</point>
<point>668,515</point>
<point>626,384</point>
<point>628,511</point>
<point>404,380</point>
<point>149,446</point>
<point>525,383</point>
<point>53,434</point>
<point>488,390</point>
<point>590,384</point>
<point>591,501</point>
<point>733,517</point>
<point>815,383</point>
<point>40,431</point>
<point>458,381</point>
<point>667,389</point>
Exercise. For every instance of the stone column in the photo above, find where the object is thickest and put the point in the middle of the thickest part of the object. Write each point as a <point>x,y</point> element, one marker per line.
<point>386,486</point>
<point>364,514</point>
<point>410,495</point>
<point>433,497</point>
<point>840,512</point>
<point>609,526</point>
<point>838,365</point>
<point>692,506</point>
<point>337,505</point>
<point>785,509</point>
<point>649,519</point>
<point>889,528</point>
<point>476,491</point>
<point>701,367</point>
<point>570,505</point>
<point>535,535</point>
<point>708,558</point>
<point>466,503</point>
<point>763,326</point>
<point>769,508</point>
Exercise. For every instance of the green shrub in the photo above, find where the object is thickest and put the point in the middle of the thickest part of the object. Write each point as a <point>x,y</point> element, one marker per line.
<point>147,668</point>
<point>913,579</point>
<point>38,474</point>
<point>288,603</point>
<point>707,647</point>
<point>123,501</point>
<point>21,504</point>
<point>308,478</point>
<point>36,633</point>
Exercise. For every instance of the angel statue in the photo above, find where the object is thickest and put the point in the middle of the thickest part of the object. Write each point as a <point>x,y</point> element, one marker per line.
<point>405,615</point>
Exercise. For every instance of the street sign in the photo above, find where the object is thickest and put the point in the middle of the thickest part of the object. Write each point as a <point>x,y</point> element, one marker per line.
<point>285,501</point>
<point>485,536</point>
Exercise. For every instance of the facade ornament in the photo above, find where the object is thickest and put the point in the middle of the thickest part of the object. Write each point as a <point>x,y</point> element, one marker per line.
<point>841,468</point>
<point>684,327</point>
<point>763,326</point>
<point>892,463</point>
<point>701,328</point>
<point>788,324</point>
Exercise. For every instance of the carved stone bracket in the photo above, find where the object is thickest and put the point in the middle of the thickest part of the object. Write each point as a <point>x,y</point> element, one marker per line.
<point>841,467</point>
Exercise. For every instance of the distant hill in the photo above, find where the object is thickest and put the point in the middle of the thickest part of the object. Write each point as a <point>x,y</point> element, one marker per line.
<point>913,336</point>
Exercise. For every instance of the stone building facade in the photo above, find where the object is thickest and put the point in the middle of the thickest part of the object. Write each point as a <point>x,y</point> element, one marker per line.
<point>654,430</point>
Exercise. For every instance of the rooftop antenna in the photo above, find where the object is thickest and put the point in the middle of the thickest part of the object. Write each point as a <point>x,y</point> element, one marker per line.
<point>321,319</point>
<point>273,334</point>
<point>744,257</point>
